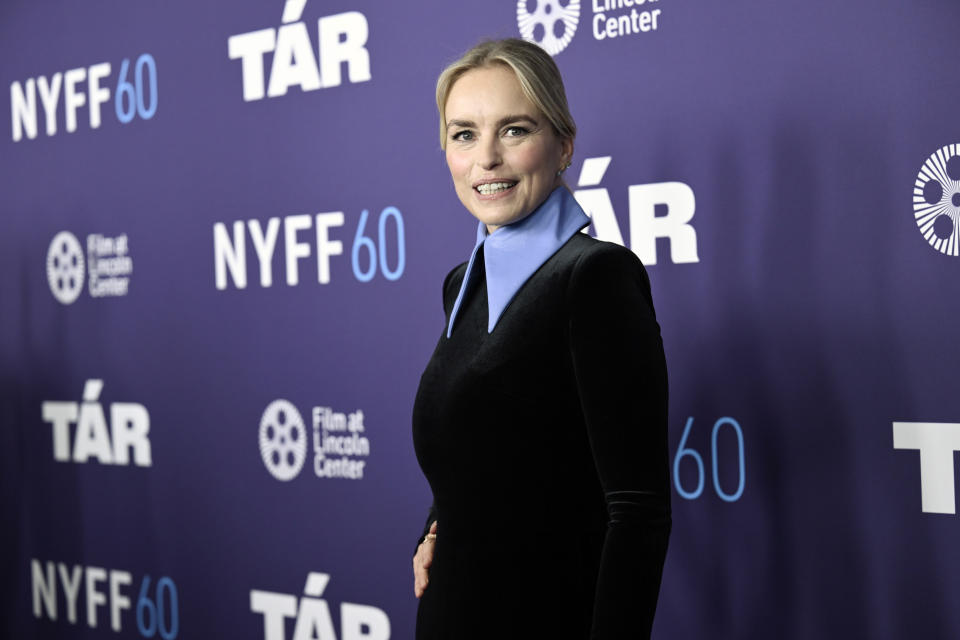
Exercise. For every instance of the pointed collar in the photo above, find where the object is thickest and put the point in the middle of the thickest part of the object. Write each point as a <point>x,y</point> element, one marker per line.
<point>515,251</point>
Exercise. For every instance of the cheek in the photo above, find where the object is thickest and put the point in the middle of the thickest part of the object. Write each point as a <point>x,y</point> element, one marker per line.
<point>458,164</point>
<point>535,160</point>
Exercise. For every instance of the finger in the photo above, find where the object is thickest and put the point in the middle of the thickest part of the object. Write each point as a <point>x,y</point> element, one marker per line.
<point>420,587</point>
<point>433,527</point>
<point>420,583</point>
<point>421,562</point>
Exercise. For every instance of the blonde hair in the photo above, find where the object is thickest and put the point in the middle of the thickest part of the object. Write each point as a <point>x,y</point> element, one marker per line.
<point>536,71</point>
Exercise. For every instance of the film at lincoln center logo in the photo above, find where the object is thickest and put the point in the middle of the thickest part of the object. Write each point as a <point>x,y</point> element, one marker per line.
<point>65,272</point>
<point>936,199</point>
<point>341,443</point>
<point>548,23</point>
<point>283,440</point>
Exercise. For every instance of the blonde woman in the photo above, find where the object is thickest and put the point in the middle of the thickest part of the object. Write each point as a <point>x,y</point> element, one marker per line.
<point>540,420</point>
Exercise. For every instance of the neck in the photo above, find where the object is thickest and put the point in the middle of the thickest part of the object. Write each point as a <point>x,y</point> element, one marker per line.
<point>559,182</point>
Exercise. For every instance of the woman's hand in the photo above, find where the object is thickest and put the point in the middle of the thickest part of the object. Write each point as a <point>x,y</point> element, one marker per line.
<point>422,561</point>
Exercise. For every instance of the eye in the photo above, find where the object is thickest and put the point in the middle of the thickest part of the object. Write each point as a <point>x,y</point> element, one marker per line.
<point>462,136</point>
<point>515,131</point>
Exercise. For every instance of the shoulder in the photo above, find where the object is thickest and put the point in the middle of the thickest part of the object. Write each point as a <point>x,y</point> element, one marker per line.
<point>589,257</point>
<point>600,268</point>
<point>582,249</point>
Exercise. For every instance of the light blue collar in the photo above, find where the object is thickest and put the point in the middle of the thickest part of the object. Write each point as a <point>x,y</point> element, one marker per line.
<point>515,251</point>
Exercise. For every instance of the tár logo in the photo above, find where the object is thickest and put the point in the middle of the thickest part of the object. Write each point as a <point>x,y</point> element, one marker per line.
<point>312,615</point>
<point>129,430</point>
<point>936,442</point>
<point>342,38</point>
<point>936,200</point>
<point>339,446</point>
<point>645,225</point>
<point>548,23</point>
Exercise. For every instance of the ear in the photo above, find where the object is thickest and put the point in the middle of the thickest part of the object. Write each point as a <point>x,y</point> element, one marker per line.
<point>566,150</point>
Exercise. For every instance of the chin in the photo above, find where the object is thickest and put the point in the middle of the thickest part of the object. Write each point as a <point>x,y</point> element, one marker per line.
<point>498,219</point>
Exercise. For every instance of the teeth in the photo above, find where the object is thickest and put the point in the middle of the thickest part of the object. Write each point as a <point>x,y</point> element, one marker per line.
<point>494,187</point>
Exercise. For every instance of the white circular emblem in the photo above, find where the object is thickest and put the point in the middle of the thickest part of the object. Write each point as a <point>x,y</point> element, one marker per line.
<point>548,23</point>
<point>65,267</point>
<point>936,199</point>
<point>283,440</point>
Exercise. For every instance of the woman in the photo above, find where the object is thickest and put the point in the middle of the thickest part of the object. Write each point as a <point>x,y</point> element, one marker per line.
<point>540,421</point>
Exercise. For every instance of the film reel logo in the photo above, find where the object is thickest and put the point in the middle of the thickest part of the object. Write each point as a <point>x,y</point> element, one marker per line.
<point>548,23</point>
<point>283,440</point>
<point>936,200</point>
<point>65,268</point>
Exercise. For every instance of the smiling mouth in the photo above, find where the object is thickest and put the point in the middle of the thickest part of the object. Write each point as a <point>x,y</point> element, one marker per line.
<point>493,188</point>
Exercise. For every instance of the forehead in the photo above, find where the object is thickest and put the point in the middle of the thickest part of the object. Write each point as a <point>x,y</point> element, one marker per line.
<point>487,92</point>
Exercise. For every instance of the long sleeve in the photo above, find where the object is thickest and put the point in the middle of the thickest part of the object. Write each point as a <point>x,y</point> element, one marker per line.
<point>622,382</point>
<point>451,284</point>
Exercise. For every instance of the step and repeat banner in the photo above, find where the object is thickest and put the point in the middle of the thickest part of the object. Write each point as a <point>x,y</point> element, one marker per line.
<point>225,226</point>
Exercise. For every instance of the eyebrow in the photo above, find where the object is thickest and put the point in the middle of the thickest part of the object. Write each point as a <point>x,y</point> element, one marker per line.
<point>500,123</point>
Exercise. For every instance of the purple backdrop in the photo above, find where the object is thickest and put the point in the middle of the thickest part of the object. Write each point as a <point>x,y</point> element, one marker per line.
<point>194,446</point>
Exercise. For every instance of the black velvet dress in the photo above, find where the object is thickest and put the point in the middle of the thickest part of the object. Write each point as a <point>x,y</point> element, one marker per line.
<point>545,445</point>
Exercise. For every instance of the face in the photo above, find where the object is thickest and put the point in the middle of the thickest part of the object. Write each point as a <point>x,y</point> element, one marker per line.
<point>502,152</point>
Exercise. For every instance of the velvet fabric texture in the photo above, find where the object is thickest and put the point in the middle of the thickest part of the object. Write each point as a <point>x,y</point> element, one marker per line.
<point>545,446</point>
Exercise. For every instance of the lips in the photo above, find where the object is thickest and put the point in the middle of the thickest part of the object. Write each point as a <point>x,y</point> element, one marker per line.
<point>494,187</point>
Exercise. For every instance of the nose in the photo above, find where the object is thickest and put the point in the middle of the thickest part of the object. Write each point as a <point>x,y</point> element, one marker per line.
<point>489,154</point>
